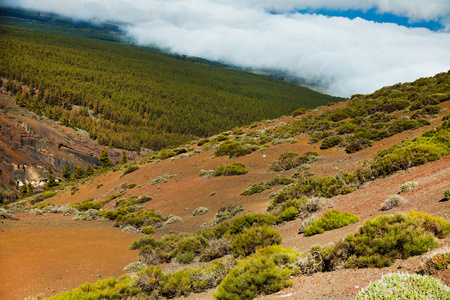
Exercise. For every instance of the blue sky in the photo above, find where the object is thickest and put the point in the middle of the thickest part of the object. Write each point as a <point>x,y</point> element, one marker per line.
<point>342,47</point>
<point>375,16</point>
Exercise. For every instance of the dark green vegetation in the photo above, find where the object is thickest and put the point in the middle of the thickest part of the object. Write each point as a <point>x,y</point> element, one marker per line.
<point>331,220</point>
<point>133,97</point>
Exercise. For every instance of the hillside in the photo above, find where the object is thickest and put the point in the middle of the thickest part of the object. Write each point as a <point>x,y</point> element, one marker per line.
<point>132,97</point>
<point>350,156</point>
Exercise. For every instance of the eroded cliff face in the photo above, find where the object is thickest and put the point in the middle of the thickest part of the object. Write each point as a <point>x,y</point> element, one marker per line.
<point>31,145</point>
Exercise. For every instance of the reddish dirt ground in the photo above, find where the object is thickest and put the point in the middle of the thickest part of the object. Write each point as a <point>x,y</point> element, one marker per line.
<point>42,254</point>
<point>51,253</point>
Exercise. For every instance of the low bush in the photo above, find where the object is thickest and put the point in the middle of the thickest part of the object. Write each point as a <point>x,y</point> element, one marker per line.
<point>129,170</point>
<point>89,204</point>
<point>200,211</point>
<point>332,141</point>
<point>290,160</point>
<point>306,223</point>
<point>42,197</point>
<point>185,257</point>
<point>436,261</point>
<point>381,240</point>
<point>253,239</point>
<point>135,267</point>
<point>252,277</point>
<point>232,149</point>
<point>287,214</point>
<point>124,203</point>
<point>110,288</point>
<point>148,230</point>
<point>299,112</point>
<point>331,220</point>
<point>221,138</point>
<point>447,194</point>
<point>225,213</point>
<point>202,142</point>
<point>405,286</point>
<point>255,189</point>
<point>142,242</point>
<point>408,186</point>
<point>391,202</point>
<point>138,220</point>
<point>161,179</point>
<point>236,168</point>
<point>173,219</point>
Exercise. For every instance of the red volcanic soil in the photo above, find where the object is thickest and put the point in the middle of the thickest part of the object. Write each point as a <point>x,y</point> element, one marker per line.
<point>51,253</point>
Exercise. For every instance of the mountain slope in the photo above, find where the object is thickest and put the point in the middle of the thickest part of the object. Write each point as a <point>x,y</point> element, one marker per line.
<point>131,97</point>
<point>174,183</point>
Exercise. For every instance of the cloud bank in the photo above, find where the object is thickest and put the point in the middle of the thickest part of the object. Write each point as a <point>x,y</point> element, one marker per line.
<point>340,55</point>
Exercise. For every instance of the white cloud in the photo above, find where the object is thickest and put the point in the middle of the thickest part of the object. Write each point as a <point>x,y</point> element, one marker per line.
<point>344,56</point>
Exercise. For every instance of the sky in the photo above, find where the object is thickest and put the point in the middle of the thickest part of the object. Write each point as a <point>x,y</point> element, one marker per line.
<point>343,47</point>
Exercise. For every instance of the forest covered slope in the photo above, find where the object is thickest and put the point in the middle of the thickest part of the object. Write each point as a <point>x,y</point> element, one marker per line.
<point>130,97</point>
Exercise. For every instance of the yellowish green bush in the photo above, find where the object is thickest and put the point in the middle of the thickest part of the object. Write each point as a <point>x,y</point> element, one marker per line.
<point>331,220</point>
<point>250,241</point>
<point>236,168</point>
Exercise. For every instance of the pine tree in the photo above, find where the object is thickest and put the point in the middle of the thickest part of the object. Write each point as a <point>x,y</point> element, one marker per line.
<point>77,172</point>
<point>23,191</point>
<point>51,182</point>
<point>30,190</point>
<point>89,171</point>
<point>104,159</point>
<point>124,157</point>
<point>66,173</point>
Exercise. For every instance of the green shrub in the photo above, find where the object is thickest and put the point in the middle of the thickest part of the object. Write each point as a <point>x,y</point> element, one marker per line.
<point>125,203</point>
<point>299,112</point>
<point>232,149</point>
<point>185,257</point>
<point>135,267</point>
<point>221,138</point>
<point>200,211</point>
<point>241,223</point>
<point>381,240</point>
<point>130,169</point>
<point>161,179</point>
<point>165,153</point>
<point>225,213</point>
<point>236,168</point>
<point>110,288</point>
<point>408,186</point>
<point>332,141</point>
<point>143,241</point>
<point>139,219</point>
<point>447,194</point>
<point>148,230</point>
<point>255,189</point>
<point>288,214</point>
<point>202,142</point>
<point>331,220</point>
<point>253,239</point>
<point>251,278</point>
<point>89,204</point>
<point>405,286</point>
